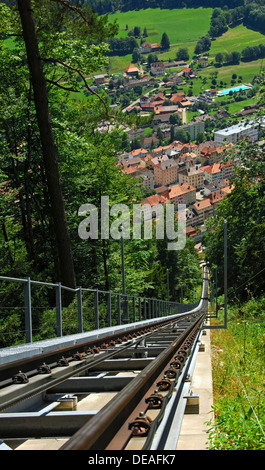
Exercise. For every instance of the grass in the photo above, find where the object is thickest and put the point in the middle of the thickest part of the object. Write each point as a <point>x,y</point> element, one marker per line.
<point>235,107</point>
<point>184,27</point>
<point>238,380</point>
<point>236,39</point>
<point>181,25</point>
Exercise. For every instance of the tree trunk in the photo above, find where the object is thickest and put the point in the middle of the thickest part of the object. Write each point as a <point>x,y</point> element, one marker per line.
<point>67,273</point>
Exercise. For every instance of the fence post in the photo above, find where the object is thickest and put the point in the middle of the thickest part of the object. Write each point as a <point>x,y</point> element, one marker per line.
<point>119,308</point>
<point>28,313</point>
<point>59,309</point>
<point>96,309</point>
<point>80,310</point>
<point>109,308</point>
<point>139,307</point>
<point>149,308</point>
<point>126,319</point>
<point>134,318</point>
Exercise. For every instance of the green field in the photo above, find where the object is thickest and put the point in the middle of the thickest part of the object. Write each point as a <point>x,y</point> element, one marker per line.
<point>184,27</point>
<point>181,26</point>
<point>236,39</point>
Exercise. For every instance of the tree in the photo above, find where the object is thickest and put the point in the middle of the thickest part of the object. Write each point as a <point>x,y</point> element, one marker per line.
<point>182,136</point>
<point>200,137</point>
<point>244,208</point>
<point>182,54</point>
<point>136,31</point>
<point>136,55</point>
<point>235,57</point>
<point>165,44</point>
<point>203,44</point>
<point>175,119</point>
<point>219,58</point>
<point>59,46</point>
<point>152,58</point>
<point>50,154</point>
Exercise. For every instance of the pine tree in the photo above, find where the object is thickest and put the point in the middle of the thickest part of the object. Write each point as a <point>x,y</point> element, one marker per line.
<point>165,44</point>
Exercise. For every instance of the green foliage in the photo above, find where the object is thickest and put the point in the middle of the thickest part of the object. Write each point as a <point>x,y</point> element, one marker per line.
<point>244,211</point>
<point>165,44</point>
<point>238,380</point>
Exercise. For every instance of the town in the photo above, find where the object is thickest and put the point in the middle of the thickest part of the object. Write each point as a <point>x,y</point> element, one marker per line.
<point>176,159</point>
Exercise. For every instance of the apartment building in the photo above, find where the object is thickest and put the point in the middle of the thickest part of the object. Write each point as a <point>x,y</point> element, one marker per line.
<point>199,212</point>
<point>182,194</point>
<point>151,206</point>
<point>166,172</point>
<point>237,132</point>
<point>194,176</point>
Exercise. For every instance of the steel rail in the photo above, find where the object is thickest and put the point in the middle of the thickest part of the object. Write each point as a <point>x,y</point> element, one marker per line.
<point>93,353</point>
<point>98,432</point>
<point>30,365</point>
<point>109,428</point>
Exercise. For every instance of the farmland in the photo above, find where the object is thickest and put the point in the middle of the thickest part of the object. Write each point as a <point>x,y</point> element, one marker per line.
<point>184,27</point>
<point>181,25</point>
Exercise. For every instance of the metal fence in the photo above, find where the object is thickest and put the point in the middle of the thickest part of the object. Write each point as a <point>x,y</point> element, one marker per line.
<point>107,308</point>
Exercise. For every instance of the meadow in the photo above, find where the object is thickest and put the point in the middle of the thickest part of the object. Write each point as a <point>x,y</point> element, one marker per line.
<point>184,28</point>
<point>236,39</point>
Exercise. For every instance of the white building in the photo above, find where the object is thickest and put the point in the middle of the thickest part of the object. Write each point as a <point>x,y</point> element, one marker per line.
<point>237,132</point>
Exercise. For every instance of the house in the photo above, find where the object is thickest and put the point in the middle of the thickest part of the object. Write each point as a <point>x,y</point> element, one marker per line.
<point>227,170</point>
<point>124,158</point>
<point>151,206</point>
<point>187,71</point>
<point>166,172</point>
<point>178,97</point>
<point>148,142</point>
<point>142,152</point>
<point>193,127</point>
<point>193,176</point>
<point>158,69</point>
<point>134,161</point>
<point>165,109</point>
<point>210,155</point>
<point>203,62</point>
<point>213,172</point>
<point>155,47</point>
<point>227,190</point>
<point>147,178</point>
<point>215,198</point>
<point>191,232</point>
<point>135,133</point>
<point>158,98</point>
<point>147,48</point>
<point>99,79</point>
<point>199,212</point>
<point>179,63</point>
<point>216,186</point>
<point>182,194</point>
<point>164,117</point>
<point>144,100</point>
<point>132,70</point>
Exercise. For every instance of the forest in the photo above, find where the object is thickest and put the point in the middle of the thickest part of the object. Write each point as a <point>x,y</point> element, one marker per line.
<point>53,160</point>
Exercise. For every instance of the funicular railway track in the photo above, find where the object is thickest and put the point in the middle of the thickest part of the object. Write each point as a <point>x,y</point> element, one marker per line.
<point>112,393</point>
